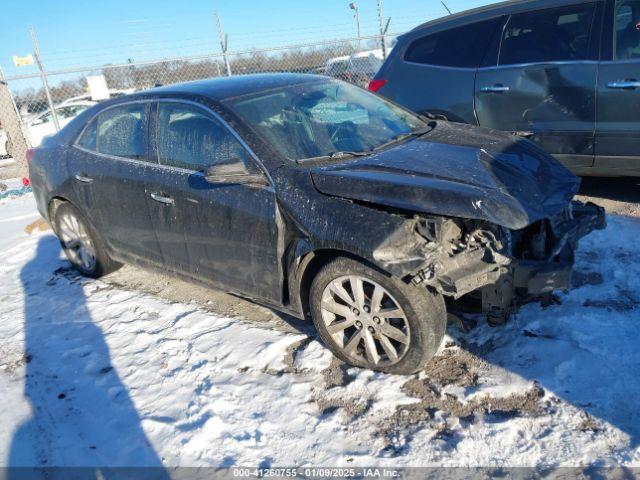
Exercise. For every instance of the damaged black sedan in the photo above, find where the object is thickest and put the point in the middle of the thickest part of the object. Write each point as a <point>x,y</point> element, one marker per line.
<point>316,198</point>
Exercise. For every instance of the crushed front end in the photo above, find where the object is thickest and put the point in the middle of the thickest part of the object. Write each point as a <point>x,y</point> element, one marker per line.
<point>501,266</point>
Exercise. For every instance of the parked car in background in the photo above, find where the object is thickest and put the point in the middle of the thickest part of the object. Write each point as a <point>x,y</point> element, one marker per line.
<point>41,124</point>
<point>113,93</point>
<point>358,68</point>
<point>564,72</point>
<point>317,198</point>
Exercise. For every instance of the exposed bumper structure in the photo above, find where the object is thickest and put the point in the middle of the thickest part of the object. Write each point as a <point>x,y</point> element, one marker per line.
<point>533,277</point>
<point>540,276</point>
<point>457,258</point>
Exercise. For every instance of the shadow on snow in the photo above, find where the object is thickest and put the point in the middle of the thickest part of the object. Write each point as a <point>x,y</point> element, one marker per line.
<point>82,414</point>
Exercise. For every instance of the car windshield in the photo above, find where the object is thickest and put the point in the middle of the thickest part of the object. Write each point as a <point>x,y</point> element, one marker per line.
<point>324,118</point>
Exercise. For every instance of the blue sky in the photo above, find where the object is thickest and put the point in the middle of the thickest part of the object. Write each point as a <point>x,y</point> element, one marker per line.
<point>75,33</point>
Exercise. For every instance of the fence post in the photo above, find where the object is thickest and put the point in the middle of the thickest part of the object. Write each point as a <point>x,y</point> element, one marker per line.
<point>383,43</point>
<point>224,44</point>
<point>11,123</point>
<point>45,83</point>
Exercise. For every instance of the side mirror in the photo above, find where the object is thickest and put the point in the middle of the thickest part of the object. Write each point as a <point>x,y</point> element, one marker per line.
<point>234,173</point>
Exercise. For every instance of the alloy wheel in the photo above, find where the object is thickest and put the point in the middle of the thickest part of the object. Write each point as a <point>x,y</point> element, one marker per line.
<point>77,241</point>
<point>365,321</point>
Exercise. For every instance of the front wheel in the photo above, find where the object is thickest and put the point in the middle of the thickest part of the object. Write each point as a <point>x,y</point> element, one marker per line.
<point>375,321</point>
<point>81,244</point>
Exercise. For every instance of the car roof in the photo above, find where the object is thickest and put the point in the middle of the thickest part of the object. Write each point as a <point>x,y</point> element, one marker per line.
<point>221,88</point>
<point>490,11</point>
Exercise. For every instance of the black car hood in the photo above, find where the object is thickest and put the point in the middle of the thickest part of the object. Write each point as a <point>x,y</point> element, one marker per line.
<point>457,171</point>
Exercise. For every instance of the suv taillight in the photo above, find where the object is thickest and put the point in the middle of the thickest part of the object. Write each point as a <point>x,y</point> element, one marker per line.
<point>375,84</point>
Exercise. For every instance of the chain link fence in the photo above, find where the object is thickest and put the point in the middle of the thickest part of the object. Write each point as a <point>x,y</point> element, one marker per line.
<point>27,118</point>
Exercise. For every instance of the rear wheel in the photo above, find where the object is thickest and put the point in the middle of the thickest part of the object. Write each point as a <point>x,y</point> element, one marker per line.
<point>371,320</point>
<point>81,244</point>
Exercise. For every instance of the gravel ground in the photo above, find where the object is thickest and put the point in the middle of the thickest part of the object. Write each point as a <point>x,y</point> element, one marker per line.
<point>617,195</point>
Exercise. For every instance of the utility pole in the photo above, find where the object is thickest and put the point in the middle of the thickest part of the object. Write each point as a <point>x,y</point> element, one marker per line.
<point>43,76</point>
<point>383,30</point>
<point>224,43</point>
<point>354,6</point>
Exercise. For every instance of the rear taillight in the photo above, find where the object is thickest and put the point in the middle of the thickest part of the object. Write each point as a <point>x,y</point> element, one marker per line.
<point>25,181</point>
<point>375,84</point>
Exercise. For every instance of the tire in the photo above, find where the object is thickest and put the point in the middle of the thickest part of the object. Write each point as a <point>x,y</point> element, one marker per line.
<point>363,337</point>
<point>81,244</point>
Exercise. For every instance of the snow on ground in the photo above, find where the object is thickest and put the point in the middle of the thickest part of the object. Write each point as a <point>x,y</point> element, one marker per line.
<point>17,209</point>
<point>92,374</point>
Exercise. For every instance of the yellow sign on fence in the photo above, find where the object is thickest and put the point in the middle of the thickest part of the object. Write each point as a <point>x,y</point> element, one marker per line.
<point>23,61</point>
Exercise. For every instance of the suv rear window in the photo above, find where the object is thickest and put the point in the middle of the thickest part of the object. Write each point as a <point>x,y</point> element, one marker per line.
<point>550,35</point>
<point>461,47</point>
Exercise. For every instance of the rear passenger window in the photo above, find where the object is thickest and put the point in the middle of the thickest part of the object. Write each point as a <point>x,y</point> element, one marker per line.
<point>88,138</point>
<point>550,35</point>
<point>461,47</point>
<point>120,131</point>
<point>190,138</point>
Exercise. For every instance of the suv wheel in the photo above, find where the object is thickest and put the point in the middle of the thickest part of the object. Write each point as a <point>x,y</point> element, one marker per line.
<point>371,320</point>
<point>81,244</point>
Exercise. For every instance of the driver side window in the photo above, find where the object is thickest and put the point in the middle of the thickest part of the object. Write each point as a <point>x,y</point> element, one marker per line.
<point>190,138</point>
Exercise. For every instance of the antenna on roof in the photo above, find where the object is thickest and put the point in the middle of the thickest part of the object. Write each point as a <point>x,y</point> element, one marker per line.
<point>445,6</point>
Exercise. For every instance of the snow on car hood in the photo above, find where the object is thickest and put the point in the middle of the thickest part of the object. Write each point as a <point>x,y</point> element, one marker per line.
<point>458,171</point>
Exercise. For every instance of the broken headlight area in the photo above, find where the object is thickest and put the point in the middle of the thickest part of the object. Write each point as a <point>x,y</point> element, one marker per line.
<point>501,266</point>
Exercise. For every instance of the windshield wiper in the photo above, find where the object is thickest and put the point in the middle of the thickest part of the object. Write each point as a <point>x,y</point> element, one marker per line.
<point>339,155</point>
<point>343,154</point>
<point>404,136</point>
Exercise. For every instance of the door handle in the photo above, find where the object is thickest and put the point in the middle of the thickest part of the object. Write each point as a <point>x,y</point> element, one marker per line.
<point>495,89</point>
<point>162,199</point>
<point>82,178</point>
<point>624,84</point>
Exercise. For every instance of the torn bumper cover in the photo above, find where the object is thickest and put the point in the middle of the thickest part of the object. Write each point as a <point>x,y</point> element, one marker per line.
<point>460,256</point>
<point>544,275</point>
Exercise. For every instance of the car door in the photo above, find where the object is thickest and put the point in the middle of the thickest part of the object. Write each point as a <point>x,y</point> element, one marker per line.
<point>544,80</point>
<point>108,165</point>
<point>438,70</point>
<point>618,123</point>
<point>223,233</point>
